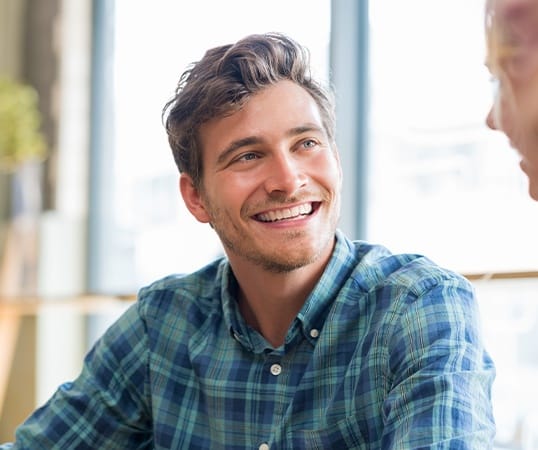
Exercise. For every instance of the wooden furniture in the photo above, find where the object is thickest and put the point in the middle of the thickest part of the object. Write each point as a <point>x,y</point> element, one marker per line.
<point>13,310</point>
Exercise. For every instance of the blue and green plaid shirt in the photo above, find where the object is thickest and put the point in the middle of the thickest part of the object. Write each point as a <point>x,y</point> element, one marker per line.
<point>386,353</point>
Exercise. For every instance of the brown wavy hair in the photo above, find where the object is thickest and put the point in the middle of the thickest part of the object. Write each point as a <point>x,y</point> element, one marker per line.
<point>224,79</point>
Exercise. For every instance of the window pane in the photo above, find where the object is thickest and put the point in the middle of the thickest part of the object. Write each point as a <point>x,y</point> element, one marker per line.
<point>440,182</point>
<point>510,321</point>
<point>151,234</point>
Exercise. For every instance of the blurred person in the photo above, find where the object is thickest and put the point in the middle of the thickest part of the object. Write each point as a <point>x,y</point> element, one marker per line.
<point>299,337</point>
<point>512,58</point>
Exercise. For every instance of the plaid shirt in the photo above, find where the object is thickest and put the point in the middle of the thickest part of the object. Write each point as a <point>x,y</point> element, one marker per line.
<point>385,354</point>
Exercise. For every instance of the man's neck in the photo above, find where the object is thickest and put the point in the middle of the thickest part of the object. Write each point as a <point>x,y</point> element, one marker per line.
<point>268,301</point>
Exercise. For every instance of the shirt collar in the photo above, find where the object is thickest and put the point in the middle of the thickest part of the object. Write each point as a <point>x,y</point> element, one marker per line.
<point>340,266</point>
<point>312,315</point>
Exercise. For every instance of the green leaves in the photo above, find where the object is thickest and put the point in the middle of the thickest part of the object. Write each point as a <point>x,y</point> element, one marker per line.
<point>20,137</point>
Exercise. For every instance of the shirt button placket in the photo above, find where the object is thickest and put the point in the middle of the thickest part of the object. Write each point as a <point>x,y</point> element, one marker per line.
<point>264,446</point>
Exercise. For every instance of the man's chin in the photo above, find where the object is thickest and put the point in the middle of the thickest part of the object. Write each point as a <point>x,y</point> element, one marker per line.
<point>533,190</point>
<point>289,261</point>
<point>533,182</point>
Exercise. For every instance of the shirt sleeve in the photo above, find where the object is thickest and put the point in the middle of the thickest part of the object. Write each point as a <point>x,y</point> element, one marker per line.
<point>441,375</point>
<point>106,406</point>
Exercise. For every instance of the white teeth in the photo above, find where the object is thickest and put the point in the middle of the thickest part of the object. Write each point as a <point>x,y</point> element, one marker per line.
<point>286,213</point>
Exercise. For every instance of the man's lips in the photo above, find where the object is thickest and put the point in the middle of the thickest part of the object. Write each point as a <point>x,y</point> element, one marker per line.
<point>287,213</point>
<point>527,168</point>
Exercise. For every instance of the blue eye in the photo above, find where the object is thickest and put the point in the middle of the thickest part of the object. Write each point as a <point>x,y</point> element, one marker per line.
<point>247,157</point>
<point>309,143</point>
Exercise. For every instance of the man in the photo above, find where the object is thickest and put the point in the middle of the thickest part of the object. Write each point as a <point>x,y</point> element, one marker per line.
<point>299,338</point>
<point>512,57</point>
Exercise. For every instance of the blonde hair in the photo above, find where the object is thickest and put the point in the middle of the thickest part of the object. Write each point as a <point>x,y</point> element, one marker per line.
<point>497,45</point>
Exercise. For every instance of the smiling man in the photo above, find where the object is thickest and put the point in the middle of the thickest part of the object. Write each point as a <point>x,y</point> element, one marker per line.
<point>271,190</point>
<point>512,58</point>
<point>299,338</point>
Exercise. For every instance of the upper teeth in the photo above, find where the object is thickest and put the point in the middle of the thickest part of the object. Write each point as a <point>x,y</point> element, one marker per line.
<point>286,213</point>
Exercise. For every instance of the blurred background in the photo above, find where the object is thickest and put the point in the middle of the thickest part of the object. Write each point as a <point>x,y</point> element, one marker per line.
<point>89,205</point>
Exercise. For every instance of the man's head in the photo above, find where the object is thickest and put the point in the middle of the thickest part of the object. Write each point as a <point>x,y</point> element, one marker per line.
<point>512,58</point>
<point>253,137</point>
<point>224,79</point>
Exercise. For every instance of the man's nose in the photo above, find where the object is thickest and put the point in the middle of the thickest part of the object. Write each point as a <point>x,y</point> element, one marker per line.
<point>285,174</point>
<point>490,119</point>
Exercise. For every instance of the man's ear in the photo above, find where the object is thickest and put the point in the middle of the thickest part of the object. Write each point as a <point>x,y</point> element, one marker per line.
<point>192,198</point>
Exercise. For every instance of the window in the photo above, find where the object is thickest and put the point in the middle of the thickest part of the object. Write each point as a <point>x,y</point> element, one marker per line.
<point>141,230</point>
<point>440,182</point>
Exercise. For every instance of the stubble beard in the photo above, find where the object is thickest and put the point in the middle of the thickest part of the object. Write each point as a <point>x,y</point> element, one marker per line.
<point>273,262</point>
<point>235,241</point>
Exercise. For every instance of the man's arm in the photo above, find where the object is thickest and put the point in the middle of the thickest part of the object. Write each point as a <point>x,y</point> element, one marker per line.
<point>106,406</point>
<point>441,375</point>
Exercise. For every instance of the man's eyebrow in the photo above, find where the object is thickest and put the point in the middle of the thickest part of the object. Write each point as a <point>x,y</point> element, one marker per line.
<point>233,146</point>
<point>254,140</point>
<point>304,129</point>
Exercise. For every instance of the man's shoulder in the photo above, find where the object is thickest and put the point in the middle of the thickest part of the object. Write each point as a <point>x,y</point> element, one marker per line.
<point>179,291</point>
<point>377,266</point>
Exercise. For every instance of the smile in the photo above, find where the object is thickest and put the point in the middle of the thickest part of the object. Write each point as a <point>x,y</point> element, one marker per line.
<point>294,212</point>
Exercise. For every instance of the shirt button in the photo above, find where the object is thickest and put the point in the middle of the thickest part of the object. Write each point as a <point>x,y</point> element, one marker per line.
<point>264,446</point>
<point>314,333</point>
<point>276,369</point>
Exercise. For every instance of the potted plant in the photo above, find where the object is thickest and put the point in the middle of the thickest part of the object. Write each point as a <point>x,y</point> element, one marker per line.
<point>20,137</point>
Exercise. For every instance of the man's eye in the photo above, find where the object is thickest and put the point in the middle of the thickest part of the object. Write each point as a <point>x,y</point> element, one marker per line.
<point>309,143</point>
<point>247,157</point>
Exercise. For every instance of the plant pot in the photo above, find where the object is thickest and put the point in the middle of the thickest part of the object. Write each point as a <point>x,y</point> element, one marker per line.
<point>19,228</point>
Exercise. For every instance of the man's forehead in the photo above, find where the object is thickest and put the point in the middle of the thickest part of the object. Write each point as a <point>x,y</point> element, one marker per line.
<point>512,36</point>
<point>518,19</point>
<point>511,8</point>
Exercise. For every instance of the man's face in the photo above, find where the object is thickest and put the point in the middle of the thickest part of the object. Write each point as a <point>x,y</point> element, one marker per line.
<point>271,181</point>
<point>513,61</point>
